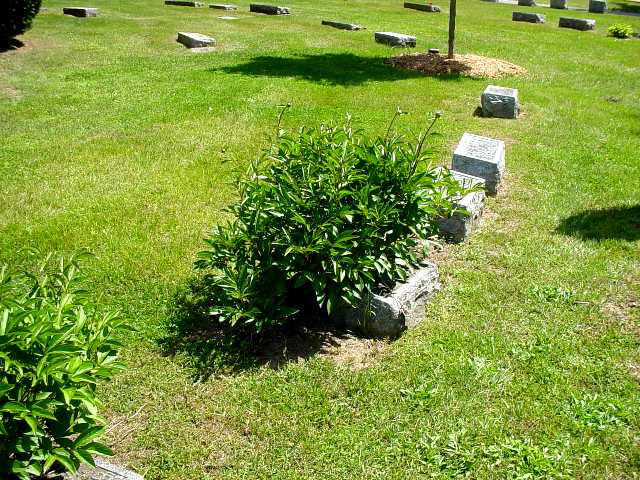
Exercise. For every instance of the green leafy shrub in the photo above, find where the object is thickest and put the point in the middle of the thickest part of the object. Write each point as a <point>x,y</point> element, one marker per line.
<point>620,30</point>
<point>323,216</point>
<point>16,17</point>
<point>54,348</point>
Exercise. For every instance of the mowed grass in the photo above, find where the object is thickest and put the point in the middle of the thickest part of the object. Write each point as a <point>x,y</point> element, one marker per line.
<point>118,139</point>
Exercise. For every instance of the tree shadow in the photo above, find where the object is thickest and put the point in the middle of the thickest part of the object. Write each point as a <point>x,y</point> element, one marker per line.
<point>209,348</point>
<point>625,7</point>
<point>10,45</point>
<point>345,69</point>
<point>621,223</point>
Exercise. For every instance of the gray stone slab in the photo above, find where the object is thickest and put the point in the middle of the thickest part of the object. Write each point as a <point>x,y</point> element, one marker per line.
<point>559,4</point>
<point>222,6</point>
<point>526,3</point>
<point>103,471</point>
<point>577,23</point>
<point>81,11</point>
<point>423,7</point>
<point>395,39</point>
<point>390,315</point>
<point>341,25</point>
<point>183,3</point>
<point>469,208</point>
<point>195,40</point>
<point>269,9</point>
<point>500,102</point>
<point>528,17</point>
<point>227,18</point>
<point>597,6</point>
<point>481,157</point>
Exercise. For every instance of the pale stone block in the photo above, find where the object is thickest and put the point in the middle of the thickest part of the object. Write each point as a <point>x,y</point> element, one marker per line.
<point>481,157</point>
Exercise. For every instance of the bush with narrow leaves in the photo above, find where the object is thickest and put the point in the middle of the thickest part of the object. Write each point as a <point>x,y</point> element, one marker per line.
<point>620,30</point>
<point>324,216</point>
<point>54,348</point>
<point>16,17</point>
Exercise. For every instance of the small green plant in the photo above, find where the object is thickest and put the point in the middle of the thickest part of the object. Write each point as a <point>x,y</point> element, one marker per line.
<point>54,348</point>
<point>16,17</point>
<point>620,30</point>
<point>323,216</point>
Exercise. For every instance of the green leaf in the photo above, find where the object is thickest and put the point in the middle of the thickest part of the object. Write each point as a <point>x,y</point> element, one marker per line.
<point>96,448</point>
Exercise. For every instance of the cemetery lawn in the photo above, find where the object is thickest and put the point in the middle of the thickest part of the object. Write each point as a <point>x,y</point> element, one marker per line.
<point>118,139</point>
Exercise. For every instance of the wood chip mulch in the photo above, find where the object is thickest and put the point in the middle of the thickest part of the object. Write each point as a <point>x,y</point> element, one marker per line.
<point>464,65</point>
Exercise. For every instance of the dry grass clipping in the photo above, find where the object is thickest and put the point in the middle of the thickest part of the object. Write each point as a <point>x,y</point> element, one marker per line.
<point>464,65</point>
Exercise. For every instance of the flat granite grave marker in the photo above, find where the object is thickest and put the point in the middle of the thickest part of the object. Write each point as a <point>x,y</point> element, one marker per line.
<point>577,23</point>
<point>228,18</point>
<point>183,3</point>
<point>481,157</point>
<point>500,102</point>
<point>269,9</point>
<point>195,40</point>
<point>526,3</point>
<point>222,6</point>
<point>342,26</point>
<point>395,39</point>
<point>528,17</point>
<point>80,11</point>
<point>597,6</point>
<point>103,471</point>
<point>559,4</point>
<point>423,7</point>
<point>459,226</point>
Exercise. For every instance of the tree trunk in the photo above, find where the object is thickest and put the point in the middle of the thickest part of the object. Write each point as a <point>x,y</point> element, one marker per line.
<point>452,27</point>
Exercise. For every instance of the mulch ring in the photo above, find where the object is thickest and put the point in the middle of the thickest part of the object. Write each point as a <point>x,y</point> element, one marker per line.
<point>464,65</point>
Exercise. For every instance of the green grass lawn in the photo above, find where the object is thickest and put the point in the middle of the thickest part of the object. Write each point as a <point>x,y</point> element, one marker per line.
<point>116,138</point>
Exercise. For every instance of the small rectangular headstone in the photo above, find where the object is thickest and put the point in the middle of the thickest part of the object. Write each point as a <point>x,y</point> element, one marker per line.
<point>577,23</point>
<point>500,102</point>
<point>342,26</point>
<point>395,39</point>
<point>222,6</point>
<point>526,3</point>
<point>80,11</point>
<point>183,3</point>
<point>195,40</point>
<point>469,208</point>
<point>559,4</point>
<point>269,9</point>
<point>423,7</point>
<point>481,157</point>
<point>597,6</point>
<point>528,17</point>
<point>228,18</point>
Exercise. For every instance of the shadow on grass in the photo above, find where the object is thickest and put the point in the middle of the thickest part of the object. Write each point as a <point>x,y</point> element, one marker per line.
<point>210,348</point>
<point>622,223</point>
<point>10,45</point>
<point>329,68</point>
<point>625,7</point>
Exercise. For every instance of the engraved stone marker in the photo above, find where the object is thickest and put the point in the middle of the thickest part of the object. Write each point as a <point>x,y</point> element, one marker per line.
<point>526,3</point>
<point>183,3</point>
<point>80,11</point>
<point>395,39</point>
<point>560,4</point>
<point>500,102</point>
<point>597,6</point>
<point>269,9</point>
<point>528,17</point>
<point>342,26</point>
<point>577,23</point>
<point>103,471</point>
<point>459,226</point>
<point>222,6</point>
<point>481,157</point>
<point>423,7</point>
<point>195,40</point>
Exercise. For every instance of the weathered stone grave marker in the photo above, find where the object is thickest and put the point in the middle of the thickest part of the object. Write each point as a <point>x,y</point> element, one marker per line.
<point>433,50</point>
<point>526,3</point>
<point>597,6</point>
<point>228,18</point>
<point>80,11</point>
<point>481,157</point>
<point>195,40</point>
<point>577,23</point>
<point>560,4</point>
<point>103,471</point>
<point>458,227</point>
<point>222,6</point>
<point>395,39</point>
<point>500,102</point>
<point>269,9</point>
<point>528,17</point>
<point>341,25</point>
<point>423,7</point>
<point>183,3</point>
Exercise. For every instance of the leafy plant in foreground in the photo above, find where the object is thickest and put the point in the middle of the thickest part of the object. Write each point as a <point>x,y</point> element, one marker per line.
<point>620,30</point>
<point>324,216</point>
<point>54,348</point>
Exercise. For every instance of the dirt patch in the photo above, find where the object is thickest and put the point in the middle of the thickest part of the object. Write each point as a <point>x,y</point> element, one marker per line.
<point>463,65</point>
<point>10,92</point>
